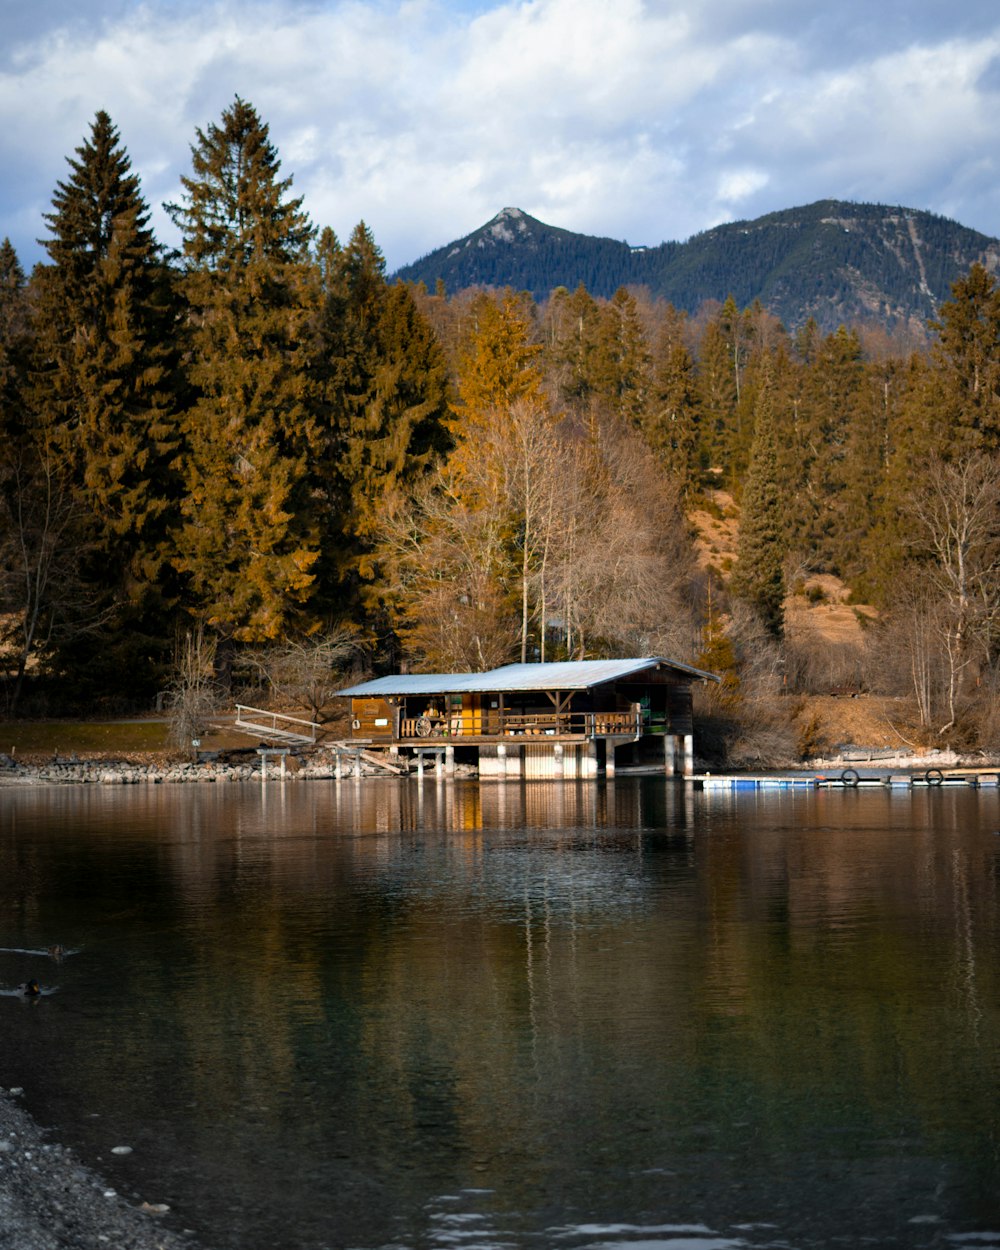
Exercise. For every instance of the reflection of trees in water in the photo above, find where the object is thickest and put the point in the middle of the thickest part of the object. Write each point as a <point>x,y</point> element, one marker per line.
<point>471,979</point>
<point>843,942</point>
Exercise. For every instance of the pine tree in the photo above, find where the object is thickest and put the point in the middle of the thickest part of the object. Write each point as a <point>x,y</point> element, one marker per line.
<point>103,405</point>
<point>671,421</point>
<point>831,410</point>
<point>621,358</point>
<point>571,341</point>
<point>885,545</point>
<point>104,325</point>
<point>384,398</point>
<point>14,342</point>
<point>499,363</point>
<point>967,356</point>
<point>758,577</point>
<point>46,537</point>
<point>720,363</point>
<point>718,656</point>
<point>248,543</point>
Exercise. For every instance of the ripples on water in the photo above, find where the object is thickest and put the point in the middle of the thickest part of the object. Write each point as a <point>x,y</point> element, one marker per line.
<point>385,1015</point>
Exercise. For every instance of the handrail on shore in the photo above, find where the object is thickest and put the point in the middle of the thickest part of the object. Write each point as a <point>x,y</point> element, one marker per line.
<point>268,724</point>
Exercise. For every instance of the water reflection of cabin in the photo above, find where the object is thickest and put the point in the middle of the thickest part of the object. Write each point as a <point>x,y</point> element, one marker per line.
<point>543,720</point>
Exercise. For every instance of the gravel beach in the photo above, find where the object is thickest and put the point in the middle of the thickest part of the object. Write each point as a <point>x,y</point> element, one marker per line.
<point>50,1201</point>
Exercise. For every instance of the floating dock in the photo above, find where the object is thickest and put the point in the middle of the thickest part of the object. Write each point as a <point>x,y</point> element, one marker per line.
<point>849,779</point>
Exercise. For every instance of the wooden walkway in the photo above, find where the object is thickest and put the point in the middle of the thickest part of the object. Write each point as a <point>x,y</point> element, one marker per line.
<point>275,727</point>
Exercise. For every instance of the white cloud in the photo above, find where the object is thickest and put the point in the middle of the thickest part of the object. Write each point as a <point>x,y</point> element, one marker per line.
<point>646,119</point>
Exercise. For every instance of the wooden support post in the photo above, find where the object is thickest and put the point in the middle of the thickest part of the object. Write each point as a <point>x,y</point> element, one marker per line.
<point>669,749</point>
<point>420,765</point>
<point>449,761</point>
<point>689,755</point>
<point>609,757</point>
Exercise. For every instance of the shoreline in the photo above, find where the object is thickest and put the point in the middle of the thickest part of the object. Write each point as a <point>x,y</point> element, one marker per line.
<point>50,1200</point>
<point>114,770</point>
<point>317,765</point>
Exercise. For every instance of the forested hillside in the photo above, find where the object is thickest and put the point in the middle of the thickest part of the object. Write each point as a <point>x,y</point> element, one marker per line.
<point>260,462</point>
<point>831,261</point>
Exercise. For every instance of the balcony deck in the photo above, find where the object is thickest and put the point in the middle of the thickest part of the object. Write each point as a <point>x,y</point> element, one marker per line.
<point>461,729</point>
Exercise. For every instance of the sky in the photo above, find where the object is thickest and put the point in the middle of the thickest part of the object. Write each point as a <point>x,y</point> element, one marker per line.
<point>643,120</point>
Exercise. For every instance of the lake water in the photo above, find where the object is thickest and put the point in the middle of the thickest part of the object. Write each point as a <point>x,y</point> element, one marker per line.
<point>389,1014</point>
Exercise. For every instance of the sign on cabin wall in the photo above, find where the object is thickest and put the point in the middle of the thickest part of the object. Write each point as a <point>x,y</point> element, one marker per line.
<point>371,718</point>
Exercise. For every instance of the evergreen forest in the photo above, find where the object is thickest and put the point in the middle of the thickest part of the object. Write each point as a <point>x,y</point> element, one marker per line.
<point>256,458</point>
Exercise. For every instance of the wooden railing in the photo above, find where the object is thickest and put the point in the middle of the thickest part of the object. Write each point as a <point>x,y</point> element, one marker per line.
<point>255,720</point>
<point>522,724</point>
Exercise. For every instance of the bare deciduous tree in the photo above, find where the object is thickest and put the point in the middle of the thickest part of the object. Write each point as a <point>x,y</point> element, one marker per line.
<point>306,672</point>
<point>193,693</point>
<point>623,563</point>
<point>543,523</point>
<point>956,518</point>
<point>446,574</point>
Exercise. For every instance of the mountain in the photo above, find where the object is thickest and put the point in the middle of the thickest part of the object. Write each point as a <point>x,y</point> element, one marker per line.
<point>835,261</point>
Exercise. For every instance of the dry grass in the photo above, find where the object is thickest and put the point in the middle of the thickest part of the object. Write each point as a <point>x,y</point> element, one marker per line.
<point>867,720</point>
<point>138,741</point>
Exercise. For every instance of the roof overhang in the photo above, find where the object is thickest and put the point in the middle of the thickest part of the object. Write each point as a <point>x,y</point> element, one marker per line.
<point>569,675</point>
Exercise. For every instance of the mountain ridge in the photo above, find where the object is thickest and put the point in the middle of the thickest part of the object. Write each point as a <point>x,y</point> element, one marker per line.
<point>836,261</point>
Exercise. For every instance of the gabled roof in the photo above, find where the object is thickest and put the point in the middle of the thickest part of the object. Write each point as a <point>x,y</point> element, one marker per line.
<point>567,675</point>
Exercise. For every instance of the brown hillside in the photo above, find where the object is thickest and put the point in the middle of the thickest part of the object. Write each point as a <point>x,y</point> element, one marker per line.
<point>817,609</point>
<point>817,617</point>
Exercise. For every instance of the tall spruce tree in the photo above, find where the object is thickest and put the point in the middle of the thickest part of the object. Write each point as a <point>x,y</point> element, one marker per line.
<point>720,374</point>
<point>571,339</point>
<point>103,392</point>
<point>621,358</point>
<point>248,542</point>
<point>105,324</point>
<point>833,396</point>
<point>499,362</point>
<point>967,356</point>
<point>383,383</point>
<point>671,420</point>
<point>759,577</point>
<point>14,341</point>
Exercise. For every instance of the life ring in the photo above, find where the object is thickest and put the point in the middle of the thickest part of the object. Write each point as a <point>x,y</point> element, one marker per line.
<point>934,776</point>
<point>355,724</point>
<point>849,777</point>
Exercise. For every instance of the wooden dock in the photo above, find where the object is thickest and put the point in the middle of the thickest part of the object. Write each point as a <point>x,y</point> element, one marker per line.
<point>850,779</point>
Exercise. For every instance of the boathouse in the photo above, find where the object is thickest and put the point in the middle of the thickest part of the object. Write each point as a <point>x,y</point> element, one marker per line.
<point>569,719</point>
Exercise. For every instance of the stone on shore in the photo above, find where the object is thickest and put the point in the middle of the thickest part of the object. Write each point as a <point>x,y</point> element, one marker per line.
<point>50,1201</point>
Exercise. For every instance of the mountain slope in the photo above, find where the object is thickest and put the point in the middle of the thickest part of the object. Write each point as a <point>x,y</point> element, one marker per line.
<point>835,261</point>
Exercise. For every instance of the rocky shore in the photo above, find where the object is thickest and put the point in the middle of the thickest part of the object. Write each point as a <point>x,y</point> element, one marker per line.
<point>50,1201</point>
<point>130,773</point>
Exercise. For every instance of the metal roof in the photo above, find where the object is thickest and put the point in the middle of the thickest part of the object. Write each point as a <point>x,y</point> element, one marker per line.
<point>567,675</point>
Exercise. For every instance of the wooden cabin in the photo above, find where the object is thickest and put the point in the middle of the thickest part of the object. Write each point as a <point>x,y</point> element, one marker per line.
<point>566,719</point>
